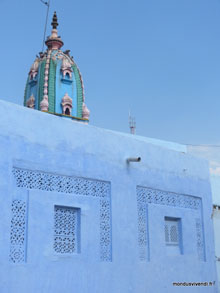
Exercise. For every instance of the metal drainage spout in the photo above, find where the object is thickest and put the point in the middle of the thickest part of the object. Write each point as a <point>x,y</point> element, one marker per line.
<point>138,159</point>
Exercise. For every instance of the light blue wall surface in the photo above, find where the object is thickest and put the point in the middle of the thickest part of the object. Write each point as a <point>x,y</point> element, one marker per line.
<point>165,144</point>
<point>59,146</point>
<point>212,154</point>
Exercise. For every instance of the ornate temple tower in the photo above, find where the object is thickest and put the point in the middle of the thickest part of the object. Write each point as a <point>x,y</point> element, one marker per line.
<point>54,83</point>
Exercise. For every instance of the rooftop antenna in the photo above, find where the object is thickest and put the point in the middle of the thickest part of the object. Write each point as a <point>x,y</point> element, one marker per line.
<point>132,123</point>
<point>47,3</point>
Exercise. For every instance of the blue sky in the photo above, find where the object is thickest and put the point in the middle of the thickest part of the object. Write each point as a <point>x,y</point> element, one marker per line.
<point>160,59</point>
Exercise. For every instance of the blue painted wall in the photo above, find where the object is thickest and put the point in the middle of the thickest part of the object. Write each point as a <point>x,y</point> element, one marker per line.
<point>97,157</point>
<point>212,154</point>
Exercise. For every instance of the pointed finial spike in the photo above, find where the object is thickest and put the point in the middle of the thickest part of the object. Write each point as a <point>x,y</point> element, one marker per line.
<point>54,41</point>
<point>54,23</point>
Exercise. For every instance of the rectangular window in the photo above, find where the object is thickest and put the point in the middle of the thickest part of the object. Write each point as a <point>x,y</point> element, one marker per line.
<point>66,230</point>
<point>173,239</point>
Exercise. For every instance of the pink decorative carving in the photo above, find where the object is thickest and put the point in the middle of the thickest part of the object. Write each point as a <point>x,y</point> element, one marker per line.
<point>54,42</point>
<point>67,104</point>
<point>31,102</point>
<point>85,112</point>
<point>66,67</point>
<point>34,69</point>
<point>44,105</point>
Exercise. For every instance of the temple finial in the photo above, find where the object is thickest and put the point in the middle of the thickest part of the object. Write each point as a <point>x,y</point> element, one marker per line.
<point>54,22</point>
<point>54,42</point>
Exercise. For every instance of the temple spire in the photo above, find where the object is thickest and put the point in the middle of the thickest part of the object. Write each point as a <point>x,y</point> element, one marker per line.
<point>54,42</point>
<point>54,82</point>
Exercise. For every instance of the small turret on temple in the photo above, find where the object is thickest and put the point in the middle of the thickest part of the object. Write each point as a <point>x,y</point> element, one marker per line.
<point>54,82</point>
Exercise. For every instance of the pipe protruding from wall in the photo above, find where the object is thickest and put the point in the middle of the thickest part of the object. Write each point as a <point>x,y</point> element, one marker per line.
<point>138,159</point>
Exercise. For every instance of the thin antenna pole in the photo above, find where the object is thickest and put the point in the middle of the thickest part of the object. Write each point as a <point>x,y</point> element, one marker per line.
<point>45,28</point>
<point>132,123</point>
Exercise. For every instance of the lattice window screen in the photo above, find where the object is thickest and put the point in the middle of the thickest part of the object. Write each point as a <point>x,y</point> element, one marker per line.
<point>18,232</point>
<point>171,229</point>
<point>66,229</point>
